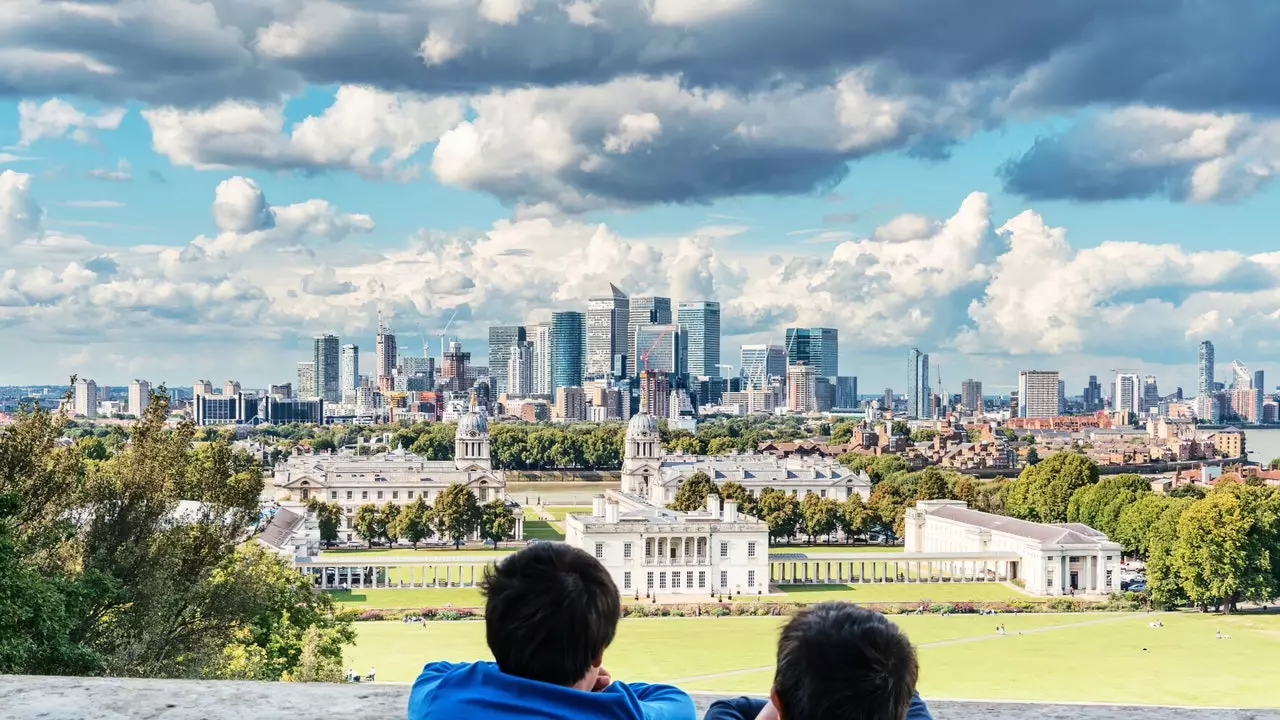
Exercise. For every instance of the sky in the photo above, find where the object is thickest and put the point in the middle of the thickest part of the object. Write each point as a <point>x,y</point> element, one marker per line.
<point>196,188</point>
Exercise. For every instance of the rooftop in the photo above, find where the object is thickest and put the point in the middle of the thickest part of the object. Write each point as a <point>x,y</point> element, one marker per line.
<point>1065,534</point>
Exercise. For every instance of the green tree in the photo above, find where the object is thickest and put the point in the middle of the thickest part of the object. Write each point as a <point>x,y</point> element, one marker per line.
<point>1195,492</point>
<point>329,516</point>
<point>457,513</point>
<point>781,511</point>
<point>497,522</point>
<point>1210,551</point>
<point>990,496</point>
<point>436,442</point>
<point>720,446</point>
<point>889,501</point>
<point>1100,505</point>
<point>853,516</point>
<point>693,492</point>
<point>818,515</point>
<point>923,435</point>
<point>323,445</point>
<point>974,434</point>
<point>414,521</point>
<point>1033,457</point>
<point>932,485</point>
<point>966,489</point>
<point>900,427</point>
<point>739,494</point>
<point>1042,492</point>
<point>886,466</point>
<point>368,523</point>
<point>388,522</point>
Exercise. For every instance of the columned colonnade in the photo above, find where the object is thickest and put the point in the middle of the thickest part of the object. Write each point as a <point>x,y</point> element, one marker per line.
<point>386,572</point>
<point>844,568</point>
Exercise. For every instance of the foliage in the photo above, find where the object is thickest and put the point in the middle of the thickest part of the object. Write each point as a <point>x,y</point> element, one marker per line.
<point>1195,492</point>
<point>1139,521</point>
<point>457,513</point>
<point>739,494</point>
<point>965,488</point>
<point>900,427</point>
<point>1099,505</point>
<point>388,522</point>
<point>932,485</point>
<point>414,522</point>
<point>781,511</point>
<point>1042,492</point>
<point>923,435</point>
<point>1223,552</point>
<point>497,522</point>
<point>693,492</point>
<point>990,496</point>
<point>974,434</point>
<point>1033,457</point>
<point>329,516</point>
<point>853,516</point>
<point>368,523</point>
<point>818,515</point>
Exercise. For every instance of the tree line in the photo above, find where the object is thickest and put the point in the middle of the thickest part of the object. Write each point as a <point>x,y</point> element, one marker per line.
<point>455,516</point>
<point>105,573</point>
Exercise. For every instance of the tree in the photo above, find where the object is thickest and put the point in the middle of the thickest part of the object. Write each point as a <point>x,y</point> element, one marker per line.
<point>900,427</point>
<point>1209,553</point>
<point>497,522</point>
<point>990,496</point>
<point>1100,505</point>
<point>1042,492</point>
<point>852,518</point>
<point>1195,492</point>
<point>818,515</point>
<point>693,492</point>
<point>781,511</point>
<point>414,522</point>
<point>457,513</point>
<point>932,485</point>
<point>966,489</point>
<point>367,523</point>
<point>923,435</point>
<point>720,446</point>
<point>889,501</point>
<point>323,445</point>
<point>388,522</point>
<point>886,466</point>
<point>974,434</point>
<point>739,494</point>
<point>329,516</point>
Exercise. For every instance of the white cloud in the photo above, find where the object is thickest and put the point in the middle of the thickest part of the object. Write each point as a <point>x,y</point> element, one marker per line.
<point>21,217</point>
<point>633,129</point>
<point>504,12</point>
<point>123,172</point>
<point>684,12</point>
<point>239,206</point>
<point>90,204</point>
<point>57,118</point>
<point>246,221</point>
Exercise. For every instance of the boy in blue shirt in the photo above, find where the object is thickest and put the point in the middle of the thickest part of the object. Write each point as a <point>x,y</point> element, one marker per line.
<point>550,612</point>
<point>836,661</point>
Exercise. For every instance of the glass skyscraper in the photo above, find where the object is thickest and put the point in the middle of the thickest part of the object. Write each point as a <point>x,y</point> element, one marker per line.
<point>1204,383</point>
<point>349,373</point>
<point>568,349</point>
<point>501,339</point>
<point>761,362</point>
<point>659,349</point>
<point>607,320</point>
<point>918,387</point>
<point>327,372</point>
<point>644,311</point>
<point>819,347</point>
<point>700,336</point>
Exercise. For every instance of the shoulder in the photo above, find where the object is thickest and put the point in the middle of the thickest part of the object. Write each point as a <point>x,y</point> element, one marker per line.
<point>658,702</point>
<point>428,681</point>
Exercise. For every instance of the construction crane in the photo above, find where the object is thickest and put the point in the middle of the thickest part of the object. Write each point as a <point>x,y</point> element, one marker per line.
<point>644,356</point>
<point>444,330</point>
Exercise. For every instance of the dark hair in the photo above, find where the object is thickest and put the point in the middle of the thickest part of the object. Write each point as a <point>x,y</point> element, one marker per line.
<point>837,661</point>
<point>550,611</point>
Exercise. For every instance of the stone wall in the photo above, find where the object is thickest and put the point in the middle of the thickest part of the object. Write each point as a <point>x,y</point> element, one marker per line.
<point>47,698</point>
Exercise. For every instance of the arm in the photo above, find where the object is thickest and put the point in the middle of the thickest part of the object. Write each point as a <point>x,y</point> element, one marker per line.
<point>918,710</point>
<point>425,686</point>
<point>743,708</point>
<point>664,702</point>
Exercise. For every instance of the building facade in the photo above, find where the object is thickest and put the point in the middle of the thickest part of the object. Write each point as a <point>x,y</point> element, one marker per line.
<point>1204,383</point>
<point>85,400</point>
<point>139,397</point>
<point>700,334</point>
<point>306,379</point>
<point>1038,394</point>
<point>655,393</point>
<point>608,317</point>
<point>659,348</point>
<point>519,375</point>
<point>385,354</point>
<point>846,392</point>
<point>761,362</point>
<point>971,395</point>
<point>1128,393</point>
<point>541,339</point>
<point>326,357</point>
<point>819,347</point>
<point>568,349</point>
<point>349,368</point>
<point>918,385</point>
<point>502,338</point>
<point>570,405</point>
<point>644,311</point>
<point>801,388</point>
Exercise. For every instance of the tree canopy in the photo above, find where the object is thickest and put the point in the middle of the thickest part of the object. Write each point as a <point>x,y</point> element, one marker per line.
<point>1042,492</point>
<point>693,492</point>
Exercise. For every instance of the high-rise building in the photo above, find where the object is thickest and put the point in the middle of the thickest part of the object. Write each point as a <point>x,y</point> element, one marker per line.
<point>1014,409</point>
<point>971,395</point>
<point>385,354</point>
<point>230,388</point>
<point>349,368</point>
<point>519,374</point>
<point>453,368</point>
<point>918,388</point>
<point>818,347</point>
<point>655,393</point>
<point>306,380</point>
<point>326,355</point>
<point>1128,393</point>
<point>1038,394</point>
<point>1204,382</point>
<point>700,334</point>
<point>607,319</point>
<point>886,402</point>
<point>761,362</point>
<point>139,397</point>
<point>846,392</point>
<point>86,398</point>
<point>644,311</point>
<point>501,339</point>
<point>281,391</point>
<point>1150,394</point>
<point>801,393</point>
<point>824,393</point>
<point>570,404</point>
<point>1093,394</point>
<point>659,349</point>
<point>568,349</point>
<point>541,358</point>
<point>1258,382</point>
<point>1241,376</point>
<point>201,387</point>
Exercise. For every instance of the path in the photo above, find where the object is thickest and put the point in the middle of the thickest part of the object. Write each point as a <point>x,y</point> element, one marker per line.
<point>937,643</point>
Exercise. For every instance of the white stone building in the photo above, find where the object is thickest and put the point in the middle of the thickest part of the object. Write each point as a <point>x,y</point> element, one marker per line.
<point>399,477</point>
<point>1055,559</point>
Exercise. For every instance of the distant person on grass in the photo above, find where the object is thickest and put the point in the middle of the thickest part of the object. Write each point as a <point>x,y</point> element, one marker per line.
<point>836,661</point>
<point>550,612</point>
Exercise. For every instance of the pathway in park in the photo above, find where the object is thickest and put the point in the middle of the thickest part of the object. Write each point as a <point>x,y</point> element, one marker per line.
<point>938,643</point>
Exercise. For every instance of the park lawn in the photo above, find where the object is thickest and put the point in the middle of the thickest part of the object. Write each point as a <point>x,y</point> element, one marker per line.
<point>784,549</point>
<point>422,551</point>
<point>384,598</point>
<point>903,592</point>
<point>530,513</point>
<point>542,530</point>
<point>559,511</point>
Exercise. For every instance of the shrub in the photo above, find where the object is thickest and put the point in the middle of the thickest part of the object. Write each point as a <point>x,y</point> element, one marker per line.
<point>963,607</point>
<point>1019,582</point>
<point>719,611</point>
<point>1062,605</point>
<point>942,608</point>
<point>370,616</point>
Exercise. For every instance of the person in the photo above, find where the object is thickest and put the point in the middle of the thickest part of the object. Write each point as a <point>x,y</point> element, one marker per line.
<point>836,661</point>
<point>372,673</point>
<point>551,611</point>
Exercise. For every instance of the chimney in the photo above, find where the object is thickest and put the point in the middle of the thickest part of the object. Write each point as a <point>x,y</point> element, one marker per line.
<point>730,511</point>
<point>597,506</point>
<point>611,512</point>
<point>713,504</point>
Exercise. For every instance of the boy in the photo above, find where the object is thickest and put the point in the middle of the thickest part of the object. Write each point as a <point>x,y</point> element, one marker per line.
<point>550,612</point>
<point>836,662</point>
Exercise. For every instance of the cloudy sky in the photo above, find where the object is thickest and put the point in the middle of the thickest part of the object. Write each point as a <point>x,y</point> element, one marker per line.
<point>194,188</point>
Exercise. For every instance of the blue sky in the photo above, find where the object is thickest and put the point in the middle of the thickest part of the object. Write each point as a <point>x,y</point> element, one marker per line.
<point>195,189</point>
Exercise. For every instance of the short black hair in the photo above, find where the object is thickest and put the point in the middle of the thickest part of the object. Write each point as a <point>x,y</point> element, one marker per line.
<point>837,661</point>
<point>550,611</point>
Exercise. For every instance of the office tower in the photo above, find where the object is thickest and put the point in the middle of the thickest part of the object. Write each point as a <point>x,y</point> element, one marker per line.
<point>824,393</point>
<point>1038,393</point>
<point>1128,393</point>
<point>230,388</point>
<point>801,395</point>
<point>1150,394</point>
<point>971,395</point>
<point>541,358</point>
<point>1014,410</point>
<point>761,362</point>
<point>1093,394</point>
<point>644,311</point>
<point>349,368</point>
<point>918,388</point>
<point>658,348</point>
<point>281,391</point>
<point>201,387</point>
<point>306,380</point>
<point>818,347</point>
<point>501,339</point>
<point>1241,376</point>
<point>570,404</point>
<point>846,392</point>
<point>655,393</point>
<point>607,319</point>
<point>1258,382</point>
<point>86,398</point>
<point>1062,396</point>
<point>1204,382</point>
<point>568,348</point>
<point>886,403</point>
<point>519,374</point>
<point>700,334</point>
<point>453,368</point>
<point>325,356</point>
<point>139,397</point>
<point>385,354</point>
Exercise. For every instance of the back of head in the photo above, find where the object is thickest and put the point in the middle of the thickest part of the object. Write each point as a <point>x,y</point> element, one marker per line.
<point>840,662</point>
<point>550,611</point>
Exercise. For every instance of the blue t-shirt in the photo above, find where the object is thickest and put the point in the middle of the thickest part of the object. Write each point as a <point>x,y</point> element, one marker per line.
<point>445,691</point>
<point>746,708</point>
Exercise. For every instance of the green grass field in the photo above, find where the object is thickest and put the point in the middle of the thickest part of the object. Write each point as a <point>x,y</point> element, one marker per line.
<point>832,549</point>
<point>559,511</point>
<point>542,530</point>
<point>422,551</point>
<point>1093,657</point>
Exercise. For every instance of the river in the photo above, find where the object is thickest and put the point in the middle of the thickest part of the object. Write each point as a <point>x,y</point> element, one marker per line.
<point>1262,444</point>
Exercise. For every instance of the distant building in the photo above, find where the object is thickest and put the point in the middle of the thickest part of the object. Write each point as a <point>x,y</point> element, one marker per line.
<point>348,369</point>
<point>1229,443</point>
<point>540,336</point>
<point>230,387</point>
<point>971,395</point>
<point>846,392</point>
<point>655,393</point>
<point>1038,394</point>
<point>660,349</point>
<point>519,373</point>
<point>761,362</point>
<point>571,405</point>
<point>818,347</point>
<point>139,397</point>
<point>824,393</point>
<point>86,398</point>
<point>281,391</point>
<point>1128,393</point>
<point>801,396</point>
<point>568,349</point>
<point>700,337</point>
<point>327,368</point>
<point>1093,395</point>
<point>644,311</point>
<point>502,338</point>
<point>608,317</point>
<point>306,379</point>
<point>385,354</point>
<point>202,387</point>
<point>1204,383</point>
<point>453,368</point>
<point>918,390</point>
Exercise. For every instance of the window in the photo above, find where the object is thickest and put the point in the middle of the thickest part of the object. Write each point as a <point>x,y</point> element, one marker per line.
<point>751,549</point>
<point>379,494</point>
<point>688,579</point>
<point>662,581</point>
<point>724,578</point>
<point>348,494</point>
<point>364,494</point>
<point>675,581</point>
<point>333,495</point>
<point>395,494</point>
<point>1108,558</point>
<point>702,579</point>
<point>599,551</point>
<point>724,549</point>
<point>822,493</point>
<point>626,551</point>
<point>484,494</point>
<point>751,578</point>
<point>410,494</point>
<point>648,549</point>
<point>648,580</point>
<point>1048,578</point>
<point>1108,578</point>
<point>626,581</point>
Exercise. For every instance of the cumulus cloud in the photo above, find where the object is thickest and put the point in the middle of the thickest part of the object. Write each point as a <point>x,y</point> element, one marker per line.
<point>245,221</point>
<point>21,217</point>
<point>57,118</point>
<point>239,206</point>
<point>122,172</point>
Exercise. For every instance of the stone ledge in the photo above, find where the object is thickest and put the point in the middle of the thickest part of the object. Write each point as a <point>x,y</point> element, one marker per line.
<point>59,698</point>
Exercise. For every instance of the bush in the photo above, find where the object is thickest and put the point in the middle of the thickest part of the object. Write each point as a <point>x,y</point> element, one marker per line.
<point>370,616</point>
<point>719,611</point>
<point>940,608</point>
<point>1061,604</point>
<point>1019,582</point>
<point>1120,602</point>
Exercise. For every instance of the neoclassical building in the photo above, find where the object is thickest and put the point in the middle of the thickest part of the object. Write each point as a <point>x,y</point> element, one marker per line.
<point>1054,559</point>
<point>649,549</point>
<point>398,476</point>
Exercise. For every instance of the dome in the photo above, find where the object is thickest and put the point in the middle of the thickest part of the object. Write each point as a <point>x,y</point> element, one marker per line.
<point>472,424</point>
<point>642,424</point>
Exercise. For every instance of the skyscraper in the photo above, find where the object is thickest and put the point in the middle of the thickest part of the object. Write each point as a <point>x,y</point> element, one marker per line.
<point>761,362</point>
<point>819,347</point>
<point>700,332</point>
<point>519,374</point>
<point>385,357</point>
<point>501,339</point>
<point>349,370</point>
<point>846,392</point>
<point>325,356</point>
<point>971,395</point>
<point>801,391</point>
<point>1241,376</point>
<point>86,398</point>
<point>1204,382</point>
<point>139,397</point>
<point>306,380</point>
<point>644,311</point>
<point>607,319</point>
<point>1038,394</point>
<point>1128,393</point>
<point>658,348</point>
<point>1258,382</point>
<point>655,393</point>
<point>568,349</point>
<point>1093,394</point>
<point>1150,394</point>
<point>541,334</point>
<point>453,368</point>
<point>918,385</point>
